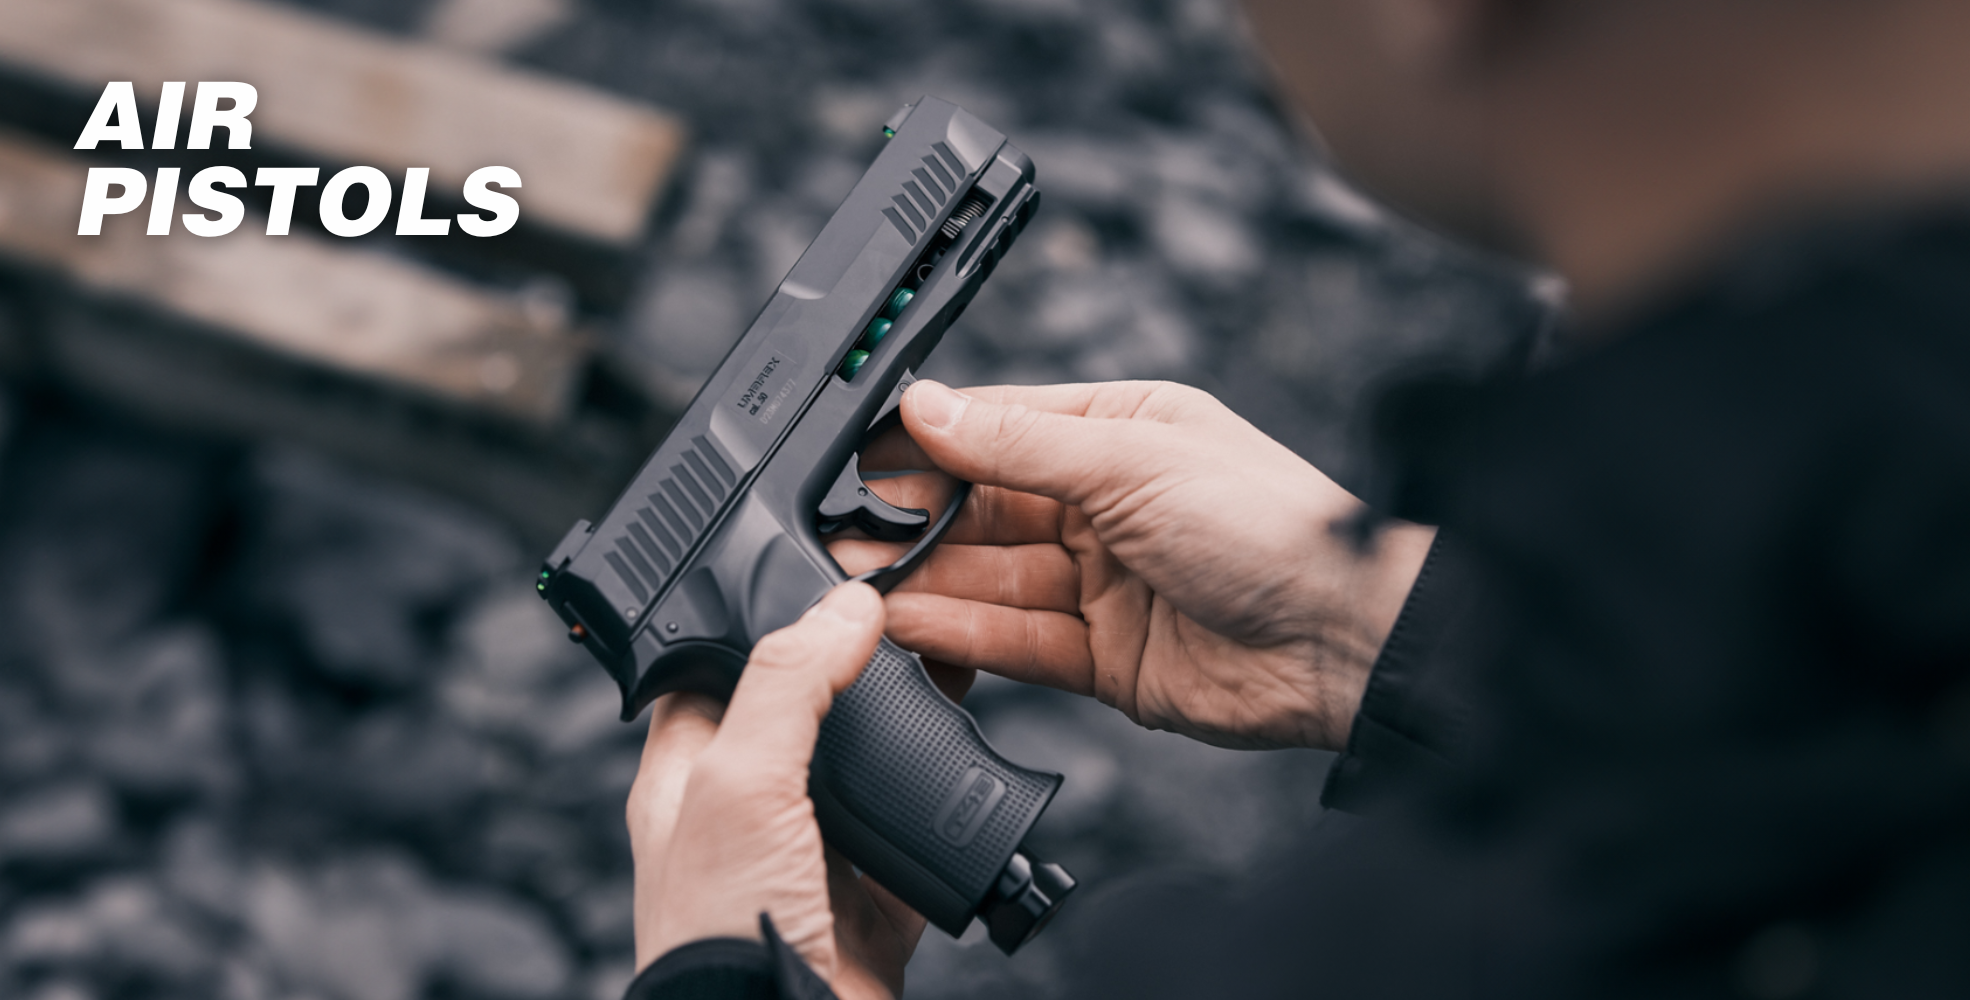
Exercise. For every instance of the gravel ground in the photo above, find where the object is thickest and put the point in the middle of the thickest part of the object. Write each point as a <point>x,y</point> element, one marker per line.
<point>270,730</point>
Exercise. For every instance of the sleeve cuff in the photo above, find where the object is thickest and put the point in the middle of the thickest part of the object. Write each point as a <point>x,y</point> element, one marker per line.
<point>731,969</point>
<point>1412,723</point>
<point>712,969</point>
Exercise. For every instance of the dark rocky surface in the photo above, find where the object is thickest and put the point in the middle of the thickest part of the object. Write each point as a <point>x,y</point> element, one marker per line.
<point>272,730</point>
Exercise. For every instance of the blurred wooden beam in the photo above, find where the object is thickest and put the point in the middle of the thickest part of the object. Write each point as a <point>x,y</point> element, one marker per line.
<point>351,310</point>
<point>593,164</point>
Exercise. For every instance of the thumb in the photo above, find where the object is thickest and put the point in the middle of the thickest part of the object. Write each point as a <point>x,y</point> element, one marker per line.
<point>1062,456</point>
<point>775,713</point>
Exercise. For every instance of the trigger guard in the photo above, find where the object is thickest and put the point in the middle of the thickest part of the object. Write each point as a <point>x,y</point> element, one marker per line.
<point>851,502</point>
<point>886,578</point>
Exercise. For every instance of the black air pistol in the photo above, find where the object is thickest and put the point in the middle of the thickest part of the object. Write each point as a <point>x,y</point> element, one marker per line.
<point>718,539</point>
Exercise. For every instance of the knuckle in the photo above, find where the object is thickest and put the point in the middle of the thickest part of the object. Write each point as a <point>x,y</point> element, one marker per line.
<point>1177,399</point>
<point>636,810</point>
<point>735,778</point>
<point>1018,430</point>
<point>718,777</point>
<point>1190,395</point>
<point>642,815</point>
<point>714,768</point>
<point>713,794</point>
<point>985,508</point>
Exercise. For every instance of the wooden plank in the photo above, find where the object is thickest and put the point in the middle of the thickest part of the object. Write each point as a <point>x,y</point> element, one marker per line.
<point>592,164</point>
<point>493,25</point>
<point>538,478</point>
<point>356,311</point>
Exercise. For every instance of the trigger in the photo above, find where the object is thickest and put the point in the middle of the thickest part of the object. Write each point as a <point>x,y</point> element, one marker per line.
<point>850,503</point>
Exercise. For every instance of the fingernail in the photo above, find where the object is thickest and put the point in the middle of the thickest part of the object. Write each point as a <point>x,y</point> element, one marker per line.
<point>939,405</point>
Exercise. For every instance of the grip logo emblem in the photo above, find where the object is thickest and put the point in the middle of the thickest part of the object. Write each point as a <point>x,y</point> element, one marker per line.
<point>968,806</point>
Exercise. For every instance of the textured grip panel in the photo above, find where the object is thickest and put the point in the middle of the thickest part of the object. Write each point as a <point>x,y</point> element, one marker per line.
<point>907,788</point>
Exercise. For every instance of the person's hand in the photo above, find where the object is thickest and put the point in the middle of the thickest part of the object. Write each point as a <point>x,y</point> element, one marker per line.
<point>721,828</point>
<point>1139,542</point>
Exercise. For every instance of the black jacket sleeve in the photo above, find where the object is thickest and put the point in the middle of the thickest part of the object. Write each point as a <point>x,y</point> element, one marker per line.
<point>731,969</point>
<point>1413,720</point>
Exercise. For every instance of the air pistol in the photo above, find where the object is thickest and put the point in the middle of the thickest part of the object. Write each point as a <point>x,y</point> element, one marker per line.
<point>719,538</point>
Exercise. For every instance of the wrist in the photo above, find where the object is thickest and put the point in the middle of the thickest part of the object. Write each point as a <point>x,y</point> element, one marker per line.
<point>676,908</point>
<point>667,937</point>
<point>729,967</point>
<point>1345,652</point>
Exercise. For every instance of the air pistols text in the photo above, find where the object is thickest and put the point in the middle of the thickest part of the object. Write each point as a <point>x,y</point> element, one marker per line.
<point>115,118</point>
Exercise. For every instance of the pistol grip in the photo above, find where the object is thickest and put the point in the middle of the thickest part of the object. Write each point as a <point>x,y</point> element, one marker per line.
<point>907,788</point>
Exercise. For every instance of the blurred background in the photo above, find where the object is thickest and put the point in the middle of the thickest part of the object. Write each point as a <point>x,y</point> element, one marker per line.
<point>280,716</point>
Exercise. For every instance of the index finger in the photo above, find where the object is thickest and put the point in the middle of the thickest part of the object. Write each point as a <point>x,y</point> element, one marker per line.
<point>991,515</point>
